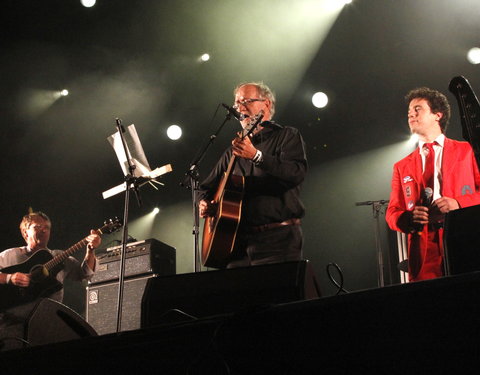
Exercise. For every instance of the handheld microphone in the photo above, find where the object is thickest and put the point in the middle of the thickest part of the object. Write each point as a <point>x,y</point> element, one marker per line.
<point>427,196</point>
<point>239,116</point>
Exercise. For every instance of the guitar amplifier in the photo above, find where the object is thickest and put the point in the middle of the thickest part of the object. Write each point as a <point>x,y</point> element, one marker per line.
<point>102,305</point>
<point>143,257</point>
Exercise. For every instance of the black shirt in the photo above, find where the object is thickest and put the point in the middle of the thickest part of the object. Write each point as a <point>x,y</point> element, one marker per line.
<point>272,188</point>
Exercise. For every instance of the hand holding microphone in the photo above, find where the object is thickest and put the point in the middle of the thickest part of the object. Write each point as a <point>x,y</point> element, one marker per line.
<point>421,213</point>
<point>427,197</point>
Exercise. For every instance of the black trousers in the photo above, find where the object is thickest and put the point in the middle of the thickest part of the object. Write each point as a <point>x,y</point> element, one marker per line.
<point>282,244</point>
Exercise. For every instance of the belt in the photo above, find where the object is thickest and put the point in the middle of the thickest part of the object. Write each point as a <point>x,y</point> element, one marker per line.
<point>264,227</point>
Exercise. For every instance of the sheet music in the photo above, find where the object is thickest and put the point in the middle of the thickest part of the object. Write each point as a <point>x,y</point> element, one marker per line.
<point>137,157</point>
<point>134,150</point>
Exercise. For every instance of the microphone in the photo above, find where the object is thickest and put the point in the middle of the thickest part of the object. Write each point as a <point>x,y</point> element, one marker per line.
<point>426,201</point>
<point>427,196</point>
<point>239,116</point>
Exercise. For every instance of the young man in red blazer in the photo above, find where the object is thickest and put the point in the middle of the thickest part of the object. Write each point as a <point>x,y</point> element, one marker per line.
<point>441,175</point>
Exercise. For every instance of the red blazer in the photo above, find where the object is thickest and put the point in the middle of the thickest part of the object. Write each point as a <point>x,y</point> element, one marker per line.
<point>460,180</point>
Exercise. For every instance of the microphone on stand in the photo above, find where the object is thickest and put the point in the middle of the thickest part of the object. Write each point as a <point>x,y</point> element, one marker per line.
<point>239,116</point>
<point>427,197</point>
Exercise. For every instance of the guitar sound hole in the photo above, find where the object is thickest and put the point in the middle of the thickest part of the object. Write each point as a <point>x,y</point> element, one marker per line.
<point>38,273</point>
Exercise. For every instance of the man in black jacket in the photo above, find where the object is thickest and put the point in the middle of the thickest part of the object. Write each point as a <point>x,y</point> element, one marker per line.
<point>273,162</point>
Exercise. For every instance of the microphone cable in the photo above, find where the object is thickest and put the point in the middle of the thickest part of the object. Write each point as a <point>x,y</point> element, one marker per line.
<point>332,279</point>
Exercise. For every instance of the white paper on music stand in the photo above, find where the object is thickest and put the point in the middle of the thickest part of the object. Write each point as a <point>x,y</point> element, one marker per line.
<point>134,150</point>
<point>136,156</point>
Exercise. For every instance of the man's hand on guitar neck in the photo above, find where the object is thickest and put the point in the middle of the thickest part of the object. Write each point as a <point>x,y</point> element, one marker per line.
<point>94,241</point>
<point>244,148</point>
<point>207,209</point>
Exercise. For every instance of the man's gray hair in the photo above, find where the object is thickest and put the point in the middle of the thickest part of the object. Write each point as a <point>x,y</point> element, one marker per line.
<point>263,91</point>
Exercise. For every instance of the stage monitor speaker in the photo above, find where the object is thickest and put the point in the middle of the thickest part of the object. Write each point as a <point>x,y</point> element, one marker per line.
<point>42,322</point>
<point>181,297</point>
<point>102,302</point>
<point>462,240</point>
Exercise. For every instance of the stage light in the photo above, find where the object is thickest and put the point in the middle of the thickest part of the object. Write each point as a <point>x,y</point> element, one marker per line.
<point>473,56</point>
<point>174,132</point>
<point>156,210</point>
<point>88,3</point>
<point>205,57</point>
<point>320,100</point>
<point>64,92</point>
<point>33,102</point>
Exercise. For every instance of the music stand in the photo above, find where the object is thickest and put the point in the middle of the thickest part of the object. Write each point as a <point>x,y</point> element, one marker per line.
<point>136,169</point>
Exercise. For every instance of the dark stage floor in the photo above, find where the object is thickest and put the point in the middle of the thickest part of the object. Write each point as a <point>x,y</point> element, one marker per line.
<point>423,327</point>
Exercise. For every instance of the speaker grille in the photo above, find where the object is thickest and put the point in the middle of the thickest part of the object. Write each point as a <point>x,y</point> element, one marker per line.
<point>102,301</point>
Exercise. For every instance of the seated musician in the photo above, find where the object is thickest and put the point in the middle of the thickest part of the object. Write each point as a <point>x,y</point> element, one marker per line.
<point>442,166</point>
<point>35,228</point>
<point>273,161</point>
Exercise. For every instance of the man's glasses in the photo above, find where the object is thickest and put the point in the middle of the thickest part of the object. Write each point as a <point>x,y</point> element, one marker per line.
<point>39,227</point>
<point>244,102</point>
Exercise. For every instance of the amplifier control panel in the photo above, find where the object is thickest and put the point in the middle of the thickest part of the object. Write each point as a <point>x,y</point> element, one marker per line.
<point>143,257</point>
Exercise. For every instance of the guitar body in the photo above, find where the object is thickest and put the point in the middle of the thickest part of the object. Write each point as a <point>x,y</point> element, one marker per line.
<point>41,285</point>
<point>220,231</point>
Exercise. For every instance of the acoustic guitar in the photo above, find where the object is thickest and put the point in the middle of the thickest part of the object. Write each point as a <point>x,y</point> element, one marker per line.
<point>220,230</point>
<point>43,268</point>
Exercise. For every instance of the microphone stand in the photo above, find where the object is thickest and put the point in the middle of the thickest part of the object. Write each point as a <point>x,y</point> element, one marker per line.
<point>377,206</point>
<point>191,182</point>
<point>131,183</point>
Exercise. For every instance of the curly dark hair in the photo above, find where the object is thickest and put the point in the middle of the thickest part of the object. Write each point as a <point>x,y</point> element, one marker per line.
<point>436,100</point>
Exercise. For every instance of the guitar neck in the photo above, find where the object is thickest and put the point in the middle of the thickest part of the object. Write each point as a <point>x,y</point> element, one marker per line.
<point>56,260</point>
<point>245,133</point>
<point>226,176</point>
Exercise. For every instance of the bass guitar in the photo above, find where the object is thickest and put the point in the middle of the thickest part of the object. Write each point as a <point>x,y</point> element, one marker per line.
<point>220,230</point>
<point>43,268</point>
